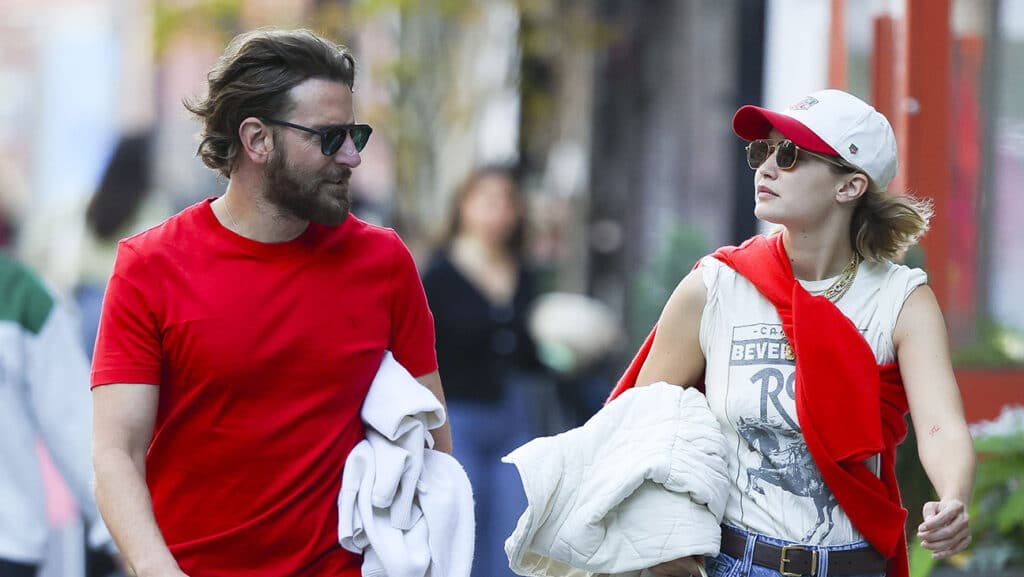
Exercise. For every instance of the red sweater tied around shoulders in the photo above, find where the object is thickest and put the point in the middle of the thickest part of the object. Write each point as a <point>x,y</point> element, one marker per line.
<point>849,408</point>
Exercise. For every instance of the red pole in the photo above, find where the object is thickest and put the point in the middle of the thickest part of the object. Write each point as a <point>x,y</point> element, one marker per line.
<point>837,46</point>
<point>928,136</point>
<point>883,67</point>
<point>885,88</point>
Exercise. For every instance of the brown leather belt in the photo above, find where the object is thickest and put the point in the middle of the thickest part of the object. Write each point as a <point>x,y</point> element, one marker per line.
<point>797,560</point>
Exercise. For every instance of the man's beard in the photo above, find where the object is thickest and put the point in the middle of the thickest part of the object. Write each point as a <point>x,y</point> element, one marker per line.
<point>308,195</point>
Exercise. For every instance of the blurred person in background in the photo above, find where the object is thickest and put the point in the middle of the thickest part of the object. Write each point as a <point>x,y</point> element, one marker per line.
<point>43,407</point>
<point>813,345</point>
<point>578,337</point>
<point>78,261</point>
<point>13,198</point>
<point>123,204</point>
<point>239,338</point>
<point>43,373</point>
<point>480,290</point>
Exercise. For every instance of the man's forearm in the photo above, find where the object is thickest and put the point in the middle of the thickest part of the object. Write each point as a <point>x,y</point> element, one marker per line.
<point>443,437</point>
<point>443,434</point>
<point>127,508</point>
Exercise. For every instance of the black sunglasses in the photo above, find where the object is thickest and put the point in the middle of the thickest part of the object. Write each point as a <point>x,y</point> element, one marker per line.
<point>333,137</point>
<point>786,154</point>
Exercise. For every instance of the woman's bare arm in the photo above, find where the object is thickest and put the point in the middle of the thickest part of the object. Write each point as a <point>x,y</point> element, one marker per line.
<point>676,356</point>
<point>944,442</point>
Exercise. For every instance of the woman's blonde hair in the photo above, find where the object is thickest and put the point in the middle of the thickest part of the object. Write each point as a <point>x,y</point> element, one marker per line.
<point>886,225</point>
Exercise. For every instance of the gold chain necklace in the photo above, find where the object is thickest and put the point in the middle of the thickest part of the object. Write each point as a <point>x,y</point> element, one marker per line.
<point>233,223</point>
<point>841,285</point>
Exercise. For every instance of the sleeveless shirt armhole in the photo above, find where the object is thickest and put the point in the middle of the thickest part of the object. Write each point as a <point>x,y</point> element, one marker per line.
<point>901,282</point>
<point>710,268</point>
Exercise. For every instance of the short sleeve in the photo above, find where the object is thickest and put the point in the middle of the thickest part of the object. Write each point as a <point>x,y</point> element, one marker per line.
<point>128,344</point>
<point>412,325</point>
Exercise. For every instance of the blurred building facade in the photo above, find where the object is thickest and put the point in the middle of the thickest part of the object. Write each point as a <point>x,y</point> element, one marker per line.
<point>618,113</point>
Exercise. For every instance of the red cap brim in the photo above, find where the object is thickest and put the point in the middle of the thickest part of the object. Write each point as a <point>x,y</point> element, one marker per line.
<point>753,123</point>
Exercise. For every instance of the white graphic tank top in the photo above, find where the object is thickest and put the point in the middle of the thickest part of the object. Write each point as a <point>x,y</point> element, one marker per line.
<point>777,489</point>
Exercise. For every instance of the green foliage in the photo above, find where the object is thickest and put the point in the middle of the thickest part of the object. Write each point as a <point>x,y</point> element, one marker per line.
<point>219,17</point>
<point>995,346</point>
<point>1012,514</point>
<point>914,257</point>
<point>679,251</point>
<point>1001,445</point>
<point>921,560</point>
<point>997,510</point>
<point>995,472</point>
<point>456,9</point>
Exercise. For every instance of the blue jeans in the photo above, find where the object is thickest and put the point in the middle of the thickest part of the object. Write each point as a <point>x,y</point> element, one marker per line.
<point>483,433</point>
<point>12,569</point>
<point>89,299</point>
<point>726,566</point>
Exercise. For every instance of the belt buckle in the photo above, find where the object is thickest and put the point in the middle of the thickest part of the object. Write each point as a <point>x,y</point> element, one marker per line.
<point>784,560</point>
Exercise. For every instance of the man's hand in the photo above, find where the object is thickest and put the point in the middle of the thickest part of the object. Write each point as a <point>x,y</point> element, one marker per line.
<point>684,567</point>
<point>946,529</point>
<point>169,572</point>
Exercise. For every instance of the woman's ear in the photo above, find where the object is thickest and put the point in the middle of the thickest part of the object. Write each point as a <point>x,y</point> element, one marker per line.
<point>257,140</point>
<point>852,187</point>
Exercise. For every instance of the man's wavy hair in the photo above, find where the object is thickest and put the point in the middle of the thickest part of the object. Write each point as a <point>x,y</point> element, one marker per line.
<point>253,79</point>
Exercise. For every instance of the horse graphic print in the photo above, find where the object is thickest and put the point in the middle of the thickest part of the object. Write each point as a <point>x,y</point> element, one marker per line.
<point>776,467</point>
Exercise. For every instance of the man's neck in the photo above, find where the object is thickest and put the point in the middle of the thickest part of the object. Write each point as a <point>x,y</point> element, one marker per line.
<point>245,211</point>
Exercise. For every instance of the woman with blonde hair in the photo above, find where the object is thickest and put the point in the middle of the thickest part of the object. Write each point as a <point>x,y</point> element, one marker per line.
<point>812,345</point>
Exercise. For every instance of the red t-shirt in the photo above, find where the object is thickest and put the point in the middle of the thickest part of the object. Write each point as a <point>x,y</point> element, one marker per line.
<point>263,354</point>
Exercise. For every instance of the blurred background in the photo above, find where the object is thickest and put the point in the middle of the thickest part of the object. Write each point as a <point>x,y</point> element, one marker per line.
<point>616,114</point>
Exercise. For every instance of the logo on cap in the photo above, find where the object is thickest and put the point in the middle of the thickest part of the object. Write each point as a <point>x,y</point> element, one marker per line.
<point>805,103</point>
<point>853,149</point>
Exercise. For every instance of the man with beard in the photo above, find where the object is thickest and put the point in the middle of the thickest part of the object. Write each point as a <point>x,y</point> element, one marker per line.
<point>239,338</point>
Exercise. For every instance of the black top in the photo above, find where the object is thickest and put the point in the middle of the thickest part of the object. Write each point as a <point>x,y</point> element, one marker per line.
<point>478,344</point>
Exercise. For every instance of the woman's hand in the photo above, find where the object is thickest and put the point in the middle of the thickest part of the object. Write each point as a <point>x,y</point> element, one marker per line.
<point>946,528</point>
<point>684,567</point>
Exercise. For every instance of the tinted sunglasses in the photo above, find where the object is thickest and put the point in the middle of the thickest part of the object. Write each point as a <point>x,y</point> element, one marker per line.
<point>333,137</point>
<point>786,154</point>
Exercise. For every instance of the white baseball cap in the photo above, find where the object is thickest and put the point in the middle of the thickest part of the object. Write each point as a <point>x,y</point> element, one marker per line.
<point>830,122</point>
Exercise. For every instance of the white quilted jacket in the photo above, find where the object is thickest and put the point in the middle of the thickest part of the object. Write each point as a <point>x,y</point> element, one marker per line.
<point>644,481</point>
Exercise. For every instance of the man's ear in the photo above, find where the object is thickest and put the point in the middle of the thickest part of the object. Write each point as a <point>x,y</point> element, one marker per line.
<point>852,187</point>
<point>257,140</point>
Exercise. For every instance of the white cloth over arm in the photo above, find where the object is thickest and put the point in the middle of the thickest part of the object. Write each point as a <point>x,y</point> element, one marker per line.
<point>644,481</point>
<point>407,508</point>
